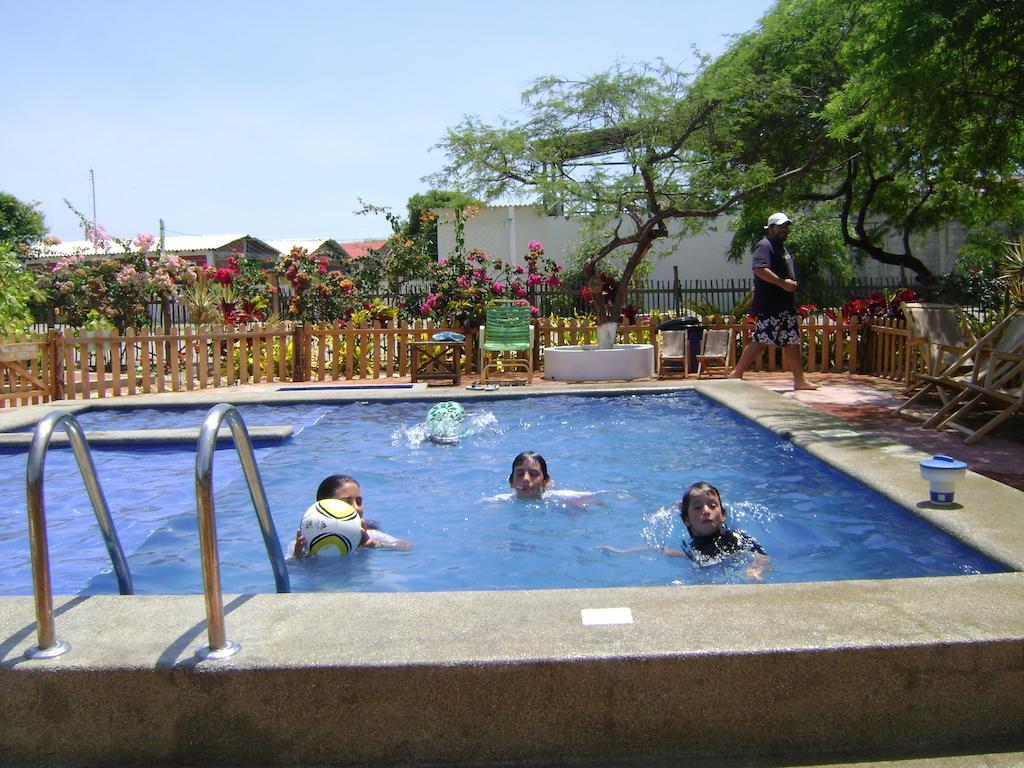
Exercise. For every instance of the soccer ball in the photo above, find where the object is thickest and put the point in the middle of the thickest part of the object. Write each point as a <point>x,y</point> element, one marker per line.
<point>331,523</point>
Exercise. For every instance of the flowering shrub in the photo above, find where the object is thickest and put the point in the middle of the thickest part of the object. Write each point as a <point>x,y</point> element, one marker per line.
<point>463,284</point>
<point>319,296</point>
<point>877,305</point>
<point>112,292</point>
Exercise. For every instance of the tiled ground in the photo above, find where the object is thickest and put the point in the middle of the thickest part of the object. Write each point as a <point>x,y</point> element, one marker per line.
<point>867,402</point>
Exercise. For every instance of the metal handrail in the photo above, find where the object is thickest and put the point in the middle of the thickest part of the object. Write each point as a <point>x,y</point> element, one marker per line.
<point>48,645</point>
<point>219,646</point>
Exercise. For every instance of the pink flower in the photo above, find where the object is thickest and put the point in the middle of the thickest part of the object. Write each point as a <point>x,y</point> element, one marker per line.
<point>144,242</point>
<point>463,281</point>
<point>520,269</point>
<point>442,262</point>
<point>534,279</point>
<point>98,236</point>
<point>520,292</point>
<point>535,247</point>
<point>498,287</point>
<point>553,281</point>
<point>535,311</point>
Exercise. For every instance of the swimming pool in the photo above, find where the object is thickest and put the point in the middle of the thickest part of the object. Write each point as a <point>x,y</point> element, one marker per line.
<point>636,453</point>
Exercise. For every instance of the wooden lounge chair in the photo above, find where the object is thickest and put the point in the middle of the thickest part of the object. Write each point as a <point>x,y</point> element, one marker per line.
<point>672,355</point>
<point>940,337</point>
<point>997,380</point>
<point>507,331</point>
<point>973,364</point>
<point>717,350</point>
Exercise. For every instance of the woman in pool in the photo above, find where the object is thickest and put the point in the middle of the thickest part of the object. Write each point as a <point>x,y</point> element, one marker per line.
<point>347,489</point>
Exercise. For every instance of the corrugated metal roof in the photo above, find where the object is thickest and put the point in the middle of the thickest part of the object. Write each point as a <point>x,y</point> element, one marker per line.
<point>172,244</point>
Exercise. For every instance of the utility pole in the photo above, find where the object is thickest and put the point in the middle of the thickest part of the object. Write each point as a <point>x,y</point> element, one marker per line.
<point>160,245</point>
<point>92,182</point>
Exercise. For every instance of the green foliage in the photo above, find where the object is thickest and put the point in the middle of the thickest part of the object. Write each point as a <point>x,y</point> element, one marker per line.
<point>404,257</point>
<point>921,103</point>
<point>815,241</point>
<point>421,226</point>
<point>19,289</point>
<point>629,150</point>
<point>20,223</point>
<point>1011,271</point>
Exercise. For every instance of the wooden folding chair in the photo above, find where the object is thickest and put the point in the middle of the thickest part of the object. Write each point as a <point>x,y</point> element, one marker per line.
<point>975,363</point>
<point>672,355</point>
<point>996,381</point>
<point>939,337</point>
<point>717,352</point>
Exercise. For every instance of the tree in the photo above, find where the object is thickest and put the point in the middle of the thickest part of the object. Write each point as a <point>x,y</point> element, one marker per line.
<point>19,290</point>
<point>629,149</point>
<point>422,224</point>
<point>20,223</point>
<point>924,107</point>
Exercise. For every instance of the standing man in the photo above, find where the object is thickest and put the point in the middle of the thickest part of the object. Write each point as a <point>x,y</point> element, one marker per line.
<point>774,304</point>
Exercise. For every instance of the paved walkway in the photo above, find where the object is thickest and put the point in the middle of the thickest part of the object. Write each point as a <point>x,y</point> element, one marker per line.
<point>867,401</point>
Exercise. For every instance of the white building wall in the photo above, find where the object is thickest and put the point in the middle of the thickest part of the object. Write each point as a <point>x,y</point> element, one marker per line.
<point>504,232</point>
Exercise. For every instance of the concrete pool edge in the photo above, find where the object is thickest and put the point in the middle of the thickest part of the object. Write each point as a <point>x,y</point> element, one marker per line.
<point>920,665</point>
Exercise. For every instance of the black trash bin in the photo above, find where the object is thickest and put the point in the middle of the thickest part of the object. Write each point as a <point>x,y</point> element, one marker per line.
<point>694,335</point>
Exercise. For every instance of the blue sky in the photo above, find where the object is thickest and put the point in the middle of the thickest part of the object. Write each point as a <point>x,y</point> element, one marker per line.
<point>275,118</point>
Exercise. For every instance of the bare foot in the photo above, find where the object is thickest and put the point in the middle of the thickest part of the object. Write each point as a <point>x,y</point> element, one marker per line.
<point>805,385</point>
<point>738,376</point>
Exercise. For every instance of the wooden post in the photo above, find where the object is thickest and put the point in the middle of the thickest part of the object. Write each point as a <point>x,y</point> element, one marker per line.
<point>300,354</point>
<point>55,357</point>
<point>275,294</point>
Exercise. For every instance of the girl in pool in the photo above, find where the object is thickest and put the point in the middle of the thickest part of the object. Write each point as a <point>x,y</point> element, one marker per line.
<point>347,489</point>
<point>529,477</point>
<point>530,480</point>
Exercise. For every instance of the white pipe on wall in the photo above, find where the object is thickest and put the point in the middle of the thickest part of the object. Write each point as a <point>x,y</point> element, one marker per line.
<point>511,219</point>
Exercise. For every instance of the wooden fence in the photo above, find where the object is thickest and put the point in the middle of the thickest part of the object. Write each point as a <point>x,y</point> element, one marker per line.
<point>100,364</point>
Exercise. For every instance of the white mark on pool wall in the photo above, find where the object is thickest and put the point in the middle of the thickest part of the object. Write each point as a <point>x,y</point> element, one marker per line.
<point>592,616</point>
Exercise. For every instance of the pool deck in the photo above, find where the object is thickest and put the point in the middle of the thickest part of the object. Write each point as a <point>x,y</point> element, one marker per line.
<point>925,671</point>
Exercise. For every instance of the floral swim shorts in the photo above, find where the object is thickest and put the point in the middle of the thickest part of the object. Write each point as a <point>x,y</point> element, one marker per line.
<point>779,330</point>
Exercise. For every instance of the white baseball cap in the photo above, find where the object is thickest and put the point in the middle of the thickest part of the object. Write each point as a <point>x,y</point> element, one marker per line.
<point>778,219</point>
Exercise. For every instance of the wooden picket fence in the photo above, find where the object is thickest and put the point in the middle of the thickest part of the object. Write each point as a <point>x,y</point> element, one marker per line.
<point>37,368</point>
<point>29,369</point>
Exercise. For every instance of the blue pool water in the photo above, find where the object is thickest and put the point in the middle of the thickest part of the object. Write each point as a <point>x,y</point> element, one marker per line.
<point>636,453</point>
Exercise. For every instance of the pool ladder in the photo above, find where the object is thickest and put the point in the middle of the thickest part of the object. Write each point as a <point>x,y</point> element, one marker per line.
<point>48,646</point>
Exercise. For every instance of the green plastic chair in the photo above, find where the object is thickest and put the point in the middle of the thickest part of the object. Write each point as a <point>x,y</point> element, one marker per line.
<point>508,330</point>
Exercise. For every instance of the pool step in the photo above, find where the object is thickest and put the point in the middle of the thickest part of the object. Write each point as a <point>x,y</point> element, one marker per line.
<point>149,436</point>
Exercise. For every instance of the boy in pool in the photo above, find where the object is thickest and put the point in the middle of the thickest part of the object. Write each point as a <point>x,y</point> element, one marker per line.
<point>347,489</point>
<point>703,514</point>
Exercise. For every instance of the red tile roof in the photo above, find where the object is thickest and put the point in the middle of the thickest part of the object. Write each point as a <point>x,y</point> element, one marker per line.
<point>360,249</point>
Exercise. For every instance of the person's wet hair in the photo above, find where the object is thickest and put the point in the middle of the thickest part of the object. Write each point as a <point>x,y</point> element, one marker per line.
<point>526,456</point>
<point>331,484</point>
